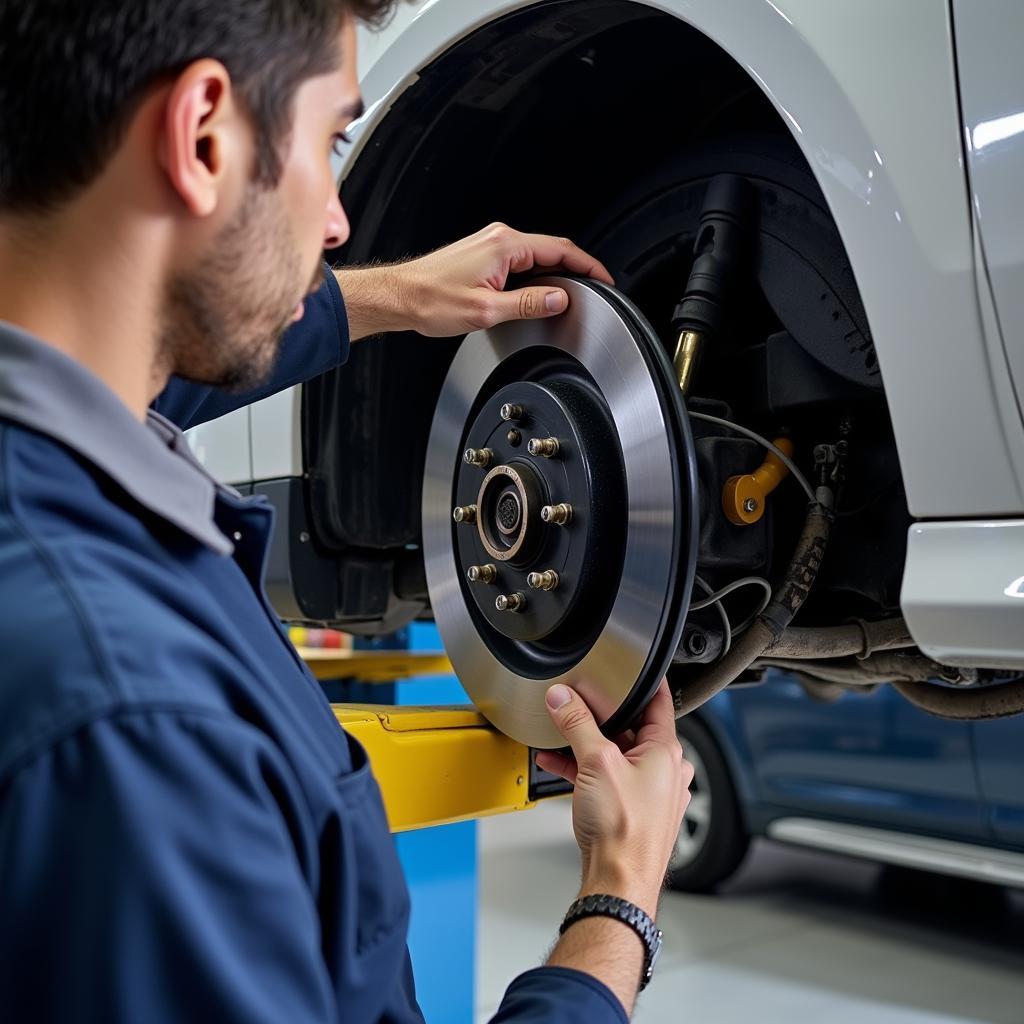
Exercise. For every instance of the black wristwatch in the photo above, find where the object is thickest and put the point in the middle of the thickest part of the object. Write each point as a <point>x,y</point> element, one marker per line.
<point>601,905</point>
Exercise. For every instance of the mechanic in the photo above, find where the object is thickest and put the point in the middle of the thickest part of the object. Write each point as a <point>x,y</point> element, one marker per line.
<point>185,834</point>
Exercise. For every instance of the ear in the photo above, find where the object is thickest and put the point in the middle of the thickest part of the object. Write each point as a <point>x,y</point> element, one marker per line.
<point>196,142</point>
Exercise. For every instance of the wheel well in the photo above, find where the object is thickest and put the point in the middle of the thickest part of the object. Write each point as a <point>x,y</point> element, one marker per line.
<point>538,117</point>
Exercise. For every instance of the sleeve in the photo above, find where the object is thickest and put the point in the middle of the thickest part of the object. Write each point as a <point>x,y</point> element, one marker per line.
<point>317,343</point>
<point>559,995</point>
<point>153,871</point>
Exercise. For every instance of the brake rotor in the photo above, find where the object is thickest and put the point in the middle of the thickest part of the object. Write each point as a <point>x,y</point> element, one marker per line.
<point>559,513</point>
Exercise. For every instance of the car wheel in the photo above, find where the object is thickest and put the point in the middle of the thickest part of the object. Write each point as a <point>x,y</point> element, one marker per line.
<point>712,839</point>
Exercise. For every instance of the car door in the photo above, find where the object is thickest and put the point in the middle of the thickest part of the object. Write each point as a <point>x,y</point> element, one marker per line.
<point>999,753</point>
<point>865,757</point>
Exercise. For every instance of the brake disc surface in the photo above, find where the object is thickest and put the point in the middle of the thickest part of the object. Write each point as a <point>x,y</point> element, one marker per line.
<point>571,559</point>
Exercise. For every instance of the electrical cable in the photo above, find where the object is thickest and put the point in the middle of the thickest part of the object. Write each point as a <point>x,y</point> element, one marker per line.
<point>752,617</point>
<point>754,436</point>
<point>722,614</point>
<point>697,606</point>
<point>715,598</point>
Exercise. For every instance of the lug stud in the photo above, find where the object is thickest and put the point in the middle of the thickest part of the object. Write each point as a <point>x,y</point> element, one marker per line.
<point>558,515</point>
<point>479,457</point>
<point>464,514</point>
<point>481,574</point>
<point>511,411</point>
<point>510,602</point>
<point>546,580</point>
<point>547,447</point>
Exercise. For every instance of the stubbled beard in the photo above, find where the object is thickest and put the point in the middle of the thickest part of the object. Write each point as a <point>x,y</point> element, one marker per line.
<point>222,321</point>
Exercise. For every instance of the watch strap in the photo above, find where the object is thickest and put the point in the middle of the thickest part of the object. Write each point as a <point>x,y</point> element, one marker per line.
<point>604,905</point>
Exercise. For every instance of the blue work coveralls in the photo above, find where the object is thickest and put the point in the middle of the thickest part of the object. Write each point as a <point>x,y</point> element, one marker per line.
<point>185,832</point>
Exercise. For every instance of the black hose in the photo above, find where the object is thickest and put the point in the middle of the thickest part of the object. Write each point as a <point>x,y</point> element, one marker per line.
<point>772,622</point>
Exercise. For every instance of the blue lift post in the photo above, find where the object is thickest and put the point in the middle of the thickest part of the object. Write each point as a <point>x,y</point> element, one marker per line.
<point>440,863</point>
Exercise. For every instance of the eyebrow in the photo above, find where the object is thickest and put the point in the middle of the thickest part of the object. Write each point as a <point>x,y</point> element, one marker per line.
<point>352,111</point>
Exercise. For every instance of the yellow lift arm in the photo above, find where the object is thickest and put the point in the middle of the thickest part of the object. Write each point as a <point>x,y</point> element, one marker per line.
<point>435,765</point>
<point>374,666</point>
<point>439,764</point>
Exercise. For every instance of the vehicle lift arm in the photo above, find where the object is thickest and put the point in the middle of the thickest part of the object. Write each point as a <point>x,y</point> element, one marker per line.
<point>434,765</point>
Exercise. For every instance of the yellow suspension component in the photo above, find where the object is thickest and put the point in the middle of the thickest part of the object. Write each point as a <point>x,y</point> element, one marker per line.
<point>743,497</point>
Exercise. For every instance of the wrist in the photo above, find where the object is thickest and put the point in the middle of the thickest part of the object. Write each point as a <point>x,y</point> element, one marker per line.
<point>616,879</point>
<point>625,912</point>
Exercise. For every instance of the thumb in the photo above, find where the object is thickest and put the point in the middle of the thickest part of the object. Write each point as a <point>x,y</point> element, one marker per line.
<point>532,304</point>
<point>573,720</point>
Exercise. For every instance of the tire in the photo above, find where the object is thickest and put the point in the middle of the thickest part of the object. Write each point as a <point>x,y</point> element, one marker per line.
<point>712,838</point>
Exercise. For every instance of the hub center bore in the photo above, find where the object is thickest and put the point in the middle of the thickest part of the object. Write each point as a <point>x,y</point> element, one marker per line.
<point>508,512</point>
<point>510,496</point>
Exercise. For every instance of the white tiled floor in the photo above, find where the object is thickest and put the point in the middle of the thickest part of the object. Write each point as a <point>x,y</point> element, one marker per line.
<point>795,935</point>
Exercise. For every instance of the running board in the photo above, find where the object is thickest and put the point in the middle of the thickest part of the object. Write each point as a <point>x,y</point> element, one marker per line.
<point>967,860</point>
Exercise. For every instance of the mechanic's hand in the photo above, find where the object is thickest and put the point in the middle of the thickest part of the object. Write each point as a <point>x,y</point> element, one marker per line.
<point>462,284</point>
<point>629,798</point>
<point>460,288</point>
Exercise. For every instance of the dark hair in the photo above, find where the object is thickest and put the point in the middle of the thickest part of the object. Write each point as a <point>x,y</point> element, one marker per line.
<point>73,72</point>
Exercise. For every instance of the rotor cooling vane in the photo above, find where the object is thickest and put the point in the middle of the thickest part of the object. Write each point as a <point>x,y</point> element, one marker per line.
<point>559,513</point>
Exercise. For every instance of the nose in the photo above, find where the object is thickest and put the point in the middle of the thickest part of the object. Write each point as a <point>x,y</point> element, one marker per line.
<point>337,230</point>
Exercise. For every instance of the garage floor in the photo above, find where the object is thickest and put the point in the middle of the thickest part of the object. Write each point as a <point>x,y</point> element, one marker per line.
<point>794,936</point>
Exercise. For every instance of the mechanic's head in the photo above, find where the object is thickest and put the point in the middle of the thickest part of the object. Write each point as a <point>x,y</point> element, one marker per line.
<point>205,127</point>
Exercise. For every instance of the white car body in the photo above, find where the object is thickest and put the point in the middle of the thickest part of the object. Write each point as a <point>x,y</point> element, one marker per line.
<point>911,118</point>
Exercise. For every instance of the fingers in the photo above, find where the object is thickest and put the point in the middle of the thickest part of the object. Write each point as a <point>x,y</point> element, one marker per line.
<point>574,721</point>
<point>528,251</point>
<point>549,251</point>
<point>658,722</point>
<point>557,764</point>
<point>528,304</point>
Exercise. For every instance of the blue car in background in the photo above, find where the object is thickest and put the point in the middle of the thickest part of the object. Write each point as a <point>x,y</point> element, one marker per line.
<point>865,774</point>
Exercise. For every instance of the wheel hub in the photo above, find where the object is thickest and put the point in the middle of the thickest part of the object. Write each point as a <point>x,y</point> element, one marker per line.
<point>547,627</point>
<point>567,439</point>
<point>506,512</point>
